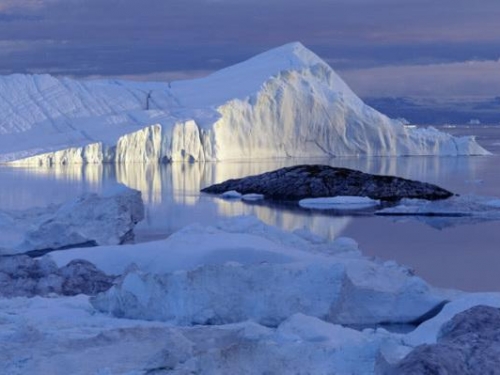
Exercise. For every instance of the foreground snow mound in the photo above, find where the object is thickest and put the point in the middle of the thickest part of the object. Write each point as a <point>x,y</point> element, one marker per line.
<point>286,102</point>
<point>89,220</point>
<point>61,336</point>
<point>356,292</point>
<point>246,270</point>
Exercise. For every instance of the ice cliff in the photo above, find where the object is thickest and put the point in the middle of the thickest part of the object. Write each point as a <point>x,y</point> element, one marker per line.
<point>286,102</point>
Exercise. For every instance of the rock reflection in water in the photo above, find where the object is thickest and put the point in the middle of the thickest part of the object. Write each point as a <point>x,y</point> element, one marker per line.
<point>172,195</point>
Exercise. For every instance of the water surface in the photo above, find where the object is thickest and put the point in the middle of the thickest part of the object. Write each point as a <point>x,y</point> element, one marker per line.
<point>464,257</point>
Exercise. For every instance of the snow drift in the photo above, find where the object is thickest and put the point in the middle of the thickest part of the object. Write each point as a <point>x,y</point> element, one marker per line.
<point>286,102</point>
<point>243,269</point>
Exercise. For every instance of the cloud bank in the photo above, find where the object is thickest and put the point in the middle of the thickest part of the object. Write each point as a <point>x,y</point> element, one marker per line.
<point>364,39</point>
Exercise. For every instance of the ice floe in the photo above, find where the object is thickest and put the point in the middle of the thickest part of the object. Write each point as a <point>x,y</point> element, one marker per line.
<point>89,220</point>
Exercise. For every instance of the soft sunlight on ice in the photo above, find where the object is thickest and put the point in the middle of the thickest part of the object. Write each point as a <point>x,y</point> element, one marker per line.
<point>286,102</point>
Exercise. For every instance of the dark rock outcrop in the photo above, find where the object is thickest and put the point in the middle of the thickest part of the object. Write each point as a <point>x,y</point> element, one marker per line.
<point>314,181</point>
<point>23,276</point>
<point>469,344</point>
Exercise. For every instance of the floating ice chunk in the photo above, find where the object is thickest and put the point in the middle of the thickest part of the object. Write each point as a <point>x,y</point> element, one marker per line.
<point>340,203</point>
<point>231,194</point>
<point>465,209</point>
<point>89,220</point>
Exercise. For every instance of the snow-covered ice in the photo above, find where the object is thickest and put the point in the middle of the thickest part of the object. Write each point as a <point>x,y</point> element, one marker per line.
<point>89,220</point>
<point>244,269</point>
<point>463,209</point>
<point>236,297</point>
<point>23,276</point>
<point>428,332</point>
<point>286,102</point>
<point>58,336</point>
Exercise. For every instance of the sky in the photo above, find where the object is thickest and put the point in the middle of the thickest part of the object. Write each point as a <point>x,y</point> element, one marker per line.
<point>416,48</point>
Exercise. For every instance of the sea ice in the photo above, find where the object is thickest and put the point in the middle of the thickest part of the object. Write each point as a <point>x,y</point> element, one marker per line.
<point>244,269</point>
<point>58,336</point>
<point>463,209</point>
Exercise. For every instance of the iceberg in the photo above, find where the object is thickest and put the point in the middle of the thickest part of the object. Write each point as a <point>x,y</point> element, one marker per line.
<point>89,220</point>
<point>65,335</point>
<point>457,210</point>
<point>286,102</point>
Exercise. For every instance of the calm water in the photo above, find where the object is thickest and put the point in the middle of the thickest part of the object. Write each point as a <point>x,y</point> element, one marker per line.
<point>465,257</point>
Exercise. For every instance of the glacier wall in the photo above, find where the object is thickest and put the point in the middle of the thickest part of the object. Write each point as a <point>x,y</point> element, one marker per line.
<point>283,103</point>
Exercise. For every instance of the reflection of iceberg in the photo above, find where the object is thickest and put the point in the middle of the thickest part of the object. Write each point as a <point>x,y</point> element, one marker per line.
<point>143,177</point>
<point>92,174</point>
<point>186,182</point>
<point>324,226</point>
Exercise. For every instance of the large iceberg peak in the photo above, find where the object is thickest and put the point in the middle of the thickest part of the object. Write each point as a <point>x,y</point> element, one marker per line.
<point>291,55</point>
<point>285,63</point>
<point>286,102</point>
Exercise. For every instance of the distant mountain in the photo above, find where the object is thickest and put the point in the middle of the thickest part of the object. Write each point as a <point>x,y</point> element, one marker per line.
<point>439,111</point>
<point>286,102</point>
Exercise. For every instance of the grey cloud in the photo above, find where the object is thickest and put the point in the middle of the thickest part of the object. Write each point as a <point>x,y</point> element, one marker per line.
<point>463,79</point>
<point>130,37</point>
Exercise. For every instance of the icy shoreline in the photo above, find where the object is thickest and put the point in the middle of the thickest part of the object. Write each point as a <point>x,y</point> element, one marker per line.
<point>239,296</point>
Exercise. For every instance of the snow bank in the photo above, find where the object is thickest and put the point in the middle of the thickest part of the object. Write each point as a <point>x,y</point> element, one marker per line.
<point>90,220</point>
<point>286,102</point>
<point>244,269</point>
<point>65,335</point>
